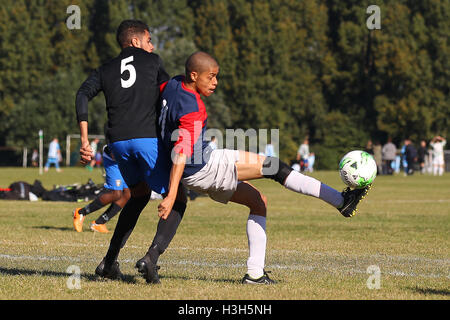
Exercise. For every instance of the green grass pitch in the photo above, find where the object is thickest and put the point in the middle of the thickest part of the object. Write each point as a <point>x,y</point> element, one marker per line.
<point>401,230</point>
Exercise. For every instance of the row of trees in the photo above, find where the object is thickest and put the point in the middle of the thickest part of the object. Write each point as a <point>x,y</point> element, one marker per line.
<point>303,67</point>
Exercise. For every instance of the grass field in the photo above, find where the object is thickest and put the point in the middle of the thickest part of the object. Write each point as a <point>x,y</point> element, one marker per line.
<point>402,228</point>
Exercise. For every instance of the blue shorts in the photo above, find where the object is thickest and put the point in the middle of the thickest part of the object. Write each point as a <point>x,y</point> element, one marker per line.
<point>51,161</point>
<point>143,159</point>
<point>114,180</point>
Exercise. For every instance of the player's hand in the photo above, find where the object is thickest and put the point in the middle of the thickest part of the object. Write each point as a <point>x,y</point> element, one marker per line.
<point>86,154</point>
<point>165,207</point>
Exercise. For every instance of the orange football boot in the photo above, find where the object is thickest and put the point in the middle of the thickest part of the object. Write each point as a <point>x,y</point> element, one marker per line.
<point>78,220</point>
<point>98,227</point>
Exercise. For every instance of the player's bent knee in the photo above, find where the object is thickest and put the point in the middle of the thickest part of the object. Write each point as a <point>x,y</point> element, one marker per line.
<point>259,206</point>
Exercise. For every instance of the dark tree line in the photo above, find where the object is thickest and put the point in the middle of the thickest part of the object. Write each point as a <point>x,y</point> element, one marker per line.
<point>303,67</point>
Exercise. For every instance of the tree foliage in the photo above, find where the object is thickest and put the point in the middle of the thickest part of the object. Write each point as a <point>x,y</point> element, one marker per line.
<point>303,67</point>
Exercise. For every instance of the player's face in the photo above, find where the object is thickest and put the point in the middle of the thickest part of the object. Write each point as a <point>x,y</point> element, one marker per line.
<point>144,42</point>
<point>147,44</point>
<point>206,81</point>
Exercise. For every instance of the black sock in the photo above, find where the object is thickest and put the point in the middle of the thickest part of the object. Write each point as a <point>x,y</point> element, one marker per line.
<point>166,231</point>
<point>125,225</point>
<point>91,207</point>
<point>274,168</point>
<point>108,214</point>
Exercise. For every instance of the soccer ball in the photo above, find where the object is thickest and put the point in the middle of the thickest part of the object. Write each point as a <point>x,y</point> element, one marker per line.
<point>357,169</point>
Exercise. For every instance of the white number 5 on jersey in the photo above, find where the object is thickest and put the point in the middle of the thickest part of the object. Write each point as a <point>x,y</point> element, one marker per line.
<point>127,67</point>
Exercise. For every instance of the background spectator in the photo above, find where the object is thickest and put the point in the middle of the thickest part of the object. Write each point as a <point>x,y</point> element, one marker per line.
<point>410,156</point>
<point>54,155</point>
<point>438,143</point>
<point>388,155</point>
<point>422,153</point>
<point>303,154</point>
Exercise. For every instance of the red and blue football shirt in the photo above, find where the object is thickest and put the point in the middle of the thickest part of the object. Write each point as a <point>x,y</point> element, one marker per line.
<point>183,124</point>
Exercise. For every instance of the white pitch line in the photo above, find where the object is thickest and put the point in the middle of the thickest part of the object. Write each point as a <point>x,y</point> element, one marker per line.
<point>305,267</point>
<point>235,250</point>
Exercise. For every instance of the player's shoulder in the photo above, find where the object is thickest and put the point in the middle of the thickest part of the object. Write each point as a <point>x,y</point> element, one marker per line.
<point>174,84</point>
<point>180,97</point>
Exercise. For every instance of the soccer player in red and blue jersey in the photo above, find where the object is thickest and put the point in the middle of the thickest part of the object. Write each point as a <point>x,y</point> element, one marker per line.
<point>223,173</point>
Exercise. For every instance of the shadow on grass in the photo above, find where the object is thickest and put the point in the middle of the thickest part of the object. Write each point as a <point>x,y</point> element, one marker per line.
<point>47,273</point>
<point>53,228</point>
<point>428,291</point>
<point>206,279</point>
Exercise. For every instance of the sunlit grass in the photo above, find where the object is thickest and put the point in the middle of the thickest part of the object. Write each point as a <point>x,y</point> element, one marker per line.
<point>313,252</point>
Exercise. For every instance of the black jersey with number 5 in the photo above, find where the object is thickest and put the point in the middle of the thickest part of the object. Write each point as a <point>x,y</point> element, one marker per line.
<point>131,84</point>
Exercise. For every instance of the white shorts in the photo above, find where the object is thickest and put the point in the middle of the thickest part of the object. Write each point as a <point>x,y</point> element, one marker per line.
<point>438,161</point>
<point>218,178</point>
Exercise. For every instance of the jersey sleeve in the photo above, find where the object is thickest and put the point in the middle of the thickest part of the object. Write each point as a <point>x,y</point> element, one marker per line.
<point>88,90</point>
<point>189,130</point>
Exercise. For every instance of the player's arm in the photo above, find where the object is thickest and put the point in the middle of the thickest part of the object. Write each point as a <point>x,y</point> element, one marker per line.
<point>165,207</point>
<point>85,149</point>
<point>188,133</point>
<point>88,90</point>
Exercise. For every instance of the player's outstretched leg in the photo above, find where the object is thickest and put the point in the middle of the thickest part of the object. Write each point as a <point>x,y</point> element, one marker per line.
<point>273,168</point>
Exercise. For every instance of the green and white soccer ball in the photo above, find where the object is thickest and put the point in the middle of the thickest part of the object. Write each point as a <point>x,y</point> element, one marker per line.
<point>357,169</point>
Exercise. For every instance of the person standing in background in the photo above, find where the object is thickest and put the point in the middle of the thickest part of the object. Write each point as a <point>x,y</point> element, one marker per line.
<point>410,156</point>
<point>303,154</point>
<point>438,143</point>
<point>422,153</point>
<point>388,155</point>
<point>270,151</point>
<point>369,147</point>
<point>54,155</point>
<point>35,158</point>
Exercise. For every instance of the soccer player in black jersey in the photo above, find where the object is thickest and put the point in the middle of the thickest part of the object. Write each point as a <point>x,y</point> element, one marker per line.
<point>131,85</point>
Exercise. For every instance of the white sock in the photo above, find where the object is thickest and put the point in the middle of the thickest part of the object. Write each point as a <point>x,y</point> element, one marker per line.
<point>312,187</point>
<point>256,233</point>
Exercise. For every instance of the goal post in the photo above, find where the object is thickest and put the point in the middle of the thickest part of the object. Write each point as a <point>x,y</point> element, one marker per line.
<point>69,137</point>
